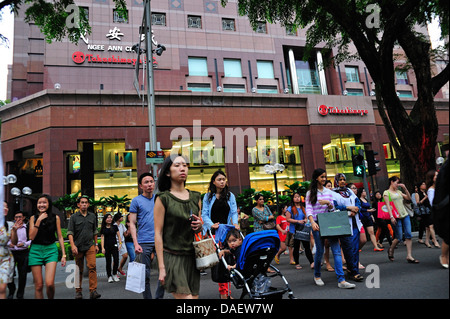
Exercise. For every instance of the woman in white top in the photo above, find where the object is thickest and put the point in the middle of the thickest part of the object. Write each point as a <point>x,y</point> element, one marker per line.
<point>430,181</point>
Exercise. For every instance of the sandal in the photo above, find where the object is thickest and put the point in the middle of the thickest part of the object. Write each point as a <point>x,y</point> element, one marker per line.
<point>390,255</point>
<point>412,261</point>
<point>298,267</point>
<point>358,278</point>
<point>277,260</point>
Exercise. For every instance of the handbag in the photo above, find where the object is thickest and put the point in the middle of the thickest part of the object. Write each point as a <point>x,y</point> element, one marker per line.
<point>424,210</point>
<point>270,224</point>
<point>303,232</point>
<point>383,212</point>
<point>135,276</point>
<point>409,209</point>
<point>205,252</point>
<point>334,224</point>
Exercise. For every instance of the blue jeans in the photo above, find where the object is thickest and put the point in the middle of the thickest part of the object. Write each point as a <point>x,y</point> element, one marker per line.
<point>335,249</point>
<point>403,227</point>
<point>147,250</point>
<point>130,250</point>
<point>350,248</point>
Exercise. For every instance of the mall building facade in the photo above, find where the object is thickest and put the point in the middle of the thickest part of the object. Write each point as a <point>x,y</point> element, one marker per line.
<point>75,110</point>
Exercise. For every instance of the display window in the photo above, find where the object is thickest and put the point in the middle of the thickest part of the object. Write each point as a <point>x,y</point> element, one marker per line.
<point>204,159</point>
<point>338,156</point>
<point>271,152</point>
<point>114,170</point>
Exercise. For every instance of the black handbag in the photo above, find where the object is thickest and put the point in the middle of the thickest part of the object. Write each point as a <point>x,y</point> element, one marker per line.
<point>303,232</point>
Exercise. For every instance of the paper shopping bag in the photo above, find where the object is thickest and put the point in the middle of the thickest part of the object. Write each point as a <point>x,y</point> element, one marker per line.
<point>135,277</point>
<point>334,224</point>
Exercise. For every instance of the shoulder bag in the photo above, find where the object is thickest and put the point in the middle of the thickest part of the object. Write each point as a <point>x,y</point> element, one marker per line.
<point>383,212</point>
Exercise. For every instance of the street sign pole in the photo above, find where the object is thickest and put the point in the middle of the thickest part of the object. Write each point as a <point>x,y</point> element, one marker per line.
<point>150,84</point>
<point>365,183</point>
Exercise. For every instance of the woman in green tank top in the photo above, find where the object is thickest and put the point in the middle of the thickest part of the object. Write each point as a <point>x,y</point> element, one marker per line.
<point>176,215</point>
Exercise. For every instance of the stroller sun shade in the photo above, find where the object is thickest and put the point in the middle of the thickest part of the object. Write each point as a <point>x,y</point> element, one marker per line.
<point>256,241</point>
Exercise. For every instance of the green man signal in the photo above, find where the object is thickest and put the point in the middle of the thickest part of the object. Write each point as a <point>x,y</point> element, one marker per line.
<point>358,165</point>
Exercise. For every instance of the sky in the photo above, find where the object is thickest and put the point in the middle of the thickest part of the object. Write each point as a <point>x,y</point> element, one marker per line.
<point>6,28</point>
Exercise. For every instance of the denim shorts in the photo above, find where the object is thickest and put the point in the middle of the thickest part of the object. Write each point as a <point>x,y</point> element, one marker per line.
<point>42,254</point>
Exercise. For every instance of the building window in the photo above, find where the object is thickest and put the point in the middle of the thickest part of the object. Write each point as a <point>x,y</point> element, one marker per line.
<point>267,89</point>
<point>291,30</point>
<point>159,19</point>
<point>198,66</point>
<point>199,87</point>
<point>355,92</point>
<point>352,74</point>
<point>261,27</point>
<point>402,78</point>
<point>277,151</point>
<point>194,22</point>
<point>228,24</point>
<point>308,77</point>
<point>232,68</point>
<point>404,94</point>
<point>234,88</point>
<point>265,70</point>
<point>119,18</point>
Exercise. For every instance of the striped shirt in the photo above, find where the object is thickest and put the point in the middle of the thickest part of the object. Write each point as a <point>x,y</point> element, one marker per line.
<point>313,210</point>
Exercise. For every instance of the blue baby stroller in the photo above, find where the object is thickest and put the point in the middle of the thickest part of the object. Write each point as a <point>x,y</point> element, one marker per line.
<point>257,252</point>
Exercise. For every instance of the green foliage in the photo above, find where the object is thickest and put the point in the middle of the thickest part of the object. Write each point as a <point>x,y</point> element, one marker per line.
<point>67,202</point>
<point>117,202</point>
<point>298,187</point>
<point>56,19</point>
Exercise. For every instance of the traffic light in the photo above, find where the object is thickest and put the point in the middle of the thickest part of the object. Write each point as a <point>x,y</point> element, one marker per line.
<point>372,162</point>
<point>358,165</point>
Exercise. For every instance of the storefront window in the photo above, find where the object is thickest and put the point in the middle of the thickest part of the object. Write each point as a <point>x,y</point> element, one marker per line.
<point>204,159</point>
<point>282,152</point>
<point>114,170</point>
<point>338,156</point>
<point>392,163</point>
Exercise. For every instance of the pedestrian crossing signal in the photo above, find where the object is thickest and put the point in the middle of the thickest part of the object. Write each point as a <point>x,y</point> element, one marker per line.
<point>358,165</point>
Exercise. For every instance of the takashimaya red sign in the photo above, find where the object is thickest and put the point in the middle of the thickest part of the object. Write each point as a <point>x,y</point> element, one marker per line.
<point>79,58</point>
<point>334,110</point>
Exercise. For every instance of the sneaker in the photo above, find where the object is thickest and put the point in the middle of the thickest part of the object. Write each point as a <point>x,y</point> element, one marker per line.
<point>95,295</point>
<point>319,281</point>
<point>79,295</point>
<point>110,279</point>
<point>116,278</point>
<point>346,285</point>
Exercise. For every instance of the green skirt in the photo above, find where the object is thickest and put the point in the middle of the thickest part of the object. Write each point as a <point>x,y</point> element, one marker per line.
<point>182,275</point>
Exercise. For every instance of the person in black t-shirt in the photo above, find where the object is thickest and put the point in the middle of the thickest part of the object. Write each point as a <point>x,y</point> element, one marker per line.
<point>109,231</point>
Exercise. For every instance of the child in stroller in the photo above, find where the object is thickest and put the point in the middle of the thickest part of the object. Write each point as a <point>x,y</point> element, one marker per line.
<point>234,244</point>
<point>253,255</point>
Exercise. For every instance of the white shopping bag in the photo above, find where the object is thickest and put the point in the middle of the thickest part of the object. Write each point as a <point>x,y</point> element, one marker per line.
<point>135,277</point>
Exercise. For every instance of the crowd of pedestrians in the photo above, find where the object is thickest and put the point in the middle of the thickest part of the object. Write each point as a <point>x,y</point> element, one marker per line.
<point>164,225</point>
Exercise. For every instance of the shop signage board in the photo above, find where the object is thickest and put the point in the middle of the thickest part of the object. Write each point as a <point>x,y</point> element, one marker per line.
<point>154,157</point>
<point>341,110</point>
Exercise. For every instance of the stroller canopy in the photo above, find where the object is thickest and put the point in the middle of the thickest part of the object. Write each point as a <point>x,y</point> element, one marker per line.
<point>256,241</point>
<point>221,233</point>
